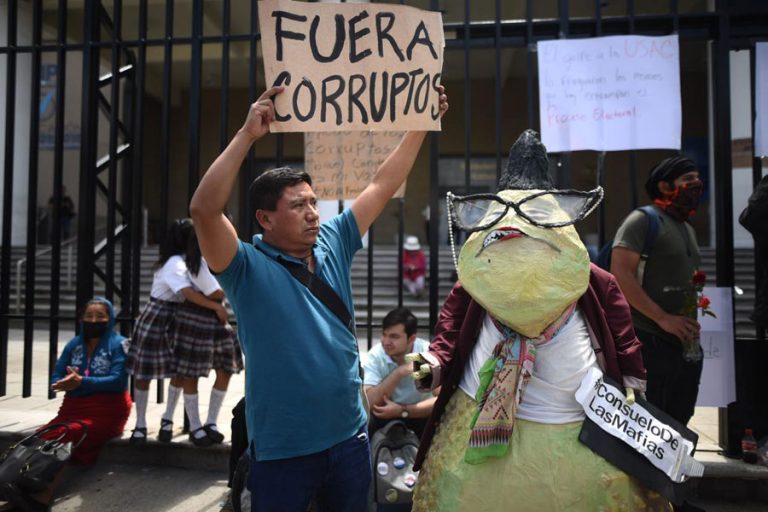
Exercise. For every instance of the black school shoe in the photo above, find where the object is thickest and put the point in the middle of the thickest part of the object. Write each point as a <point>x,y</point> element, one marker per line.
<point>200,442</point>
<point>137,440</point>
<point>216,436</point>
<point>165,434</point>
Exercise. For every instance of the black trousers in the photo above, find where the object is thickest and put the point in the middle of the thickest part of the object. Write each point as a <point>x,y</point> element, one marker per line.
<point>239,437</point>
<point>673,384</point>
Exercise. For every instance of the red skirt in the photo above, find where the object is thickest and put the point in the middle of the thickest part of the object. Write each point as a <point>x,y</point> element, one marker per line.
<point>105,414</point>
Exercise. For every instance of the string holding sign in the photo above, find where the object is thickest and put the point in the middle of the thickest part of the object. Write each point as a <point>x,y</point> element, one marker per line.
<point>352,66</point>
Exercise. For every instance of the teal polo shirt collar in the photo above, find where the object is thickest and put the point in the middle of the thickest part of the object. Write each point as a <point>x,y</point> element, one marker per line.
<point>318,251</point>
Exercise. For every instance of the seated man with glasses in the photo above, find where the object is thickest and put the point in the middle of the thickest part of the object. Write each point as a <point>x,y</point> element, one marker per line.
<point>528,320</point>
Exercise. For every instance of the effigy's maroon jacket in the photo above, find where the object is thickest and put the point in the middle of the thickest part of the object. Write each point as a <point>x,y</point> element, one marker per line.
<point>607,314</point>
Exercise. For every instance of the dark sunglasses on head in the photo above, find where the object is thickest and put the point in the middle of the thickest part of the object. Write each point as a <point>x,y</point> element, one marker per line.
<point>477,212</point>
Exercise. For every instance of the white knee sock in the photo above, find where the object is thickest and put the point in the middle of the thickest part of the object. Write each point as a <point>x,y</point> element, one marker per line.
<point>140,398</point>
<point>190,405</point>
<point>170,407</point>
<point>217,398</point>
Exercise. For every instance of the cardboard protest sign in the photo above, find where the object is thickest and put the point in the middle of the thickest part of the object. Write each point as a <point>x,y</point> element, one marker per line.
<point>342,164</point>
<point>610,93</point>
<point>352,66</point>
<point>717,387</point>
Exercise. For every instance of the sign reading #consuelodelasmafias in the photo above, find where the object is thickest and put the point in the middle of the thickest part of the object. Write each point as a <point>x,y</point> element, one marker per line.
<point>352,66</point>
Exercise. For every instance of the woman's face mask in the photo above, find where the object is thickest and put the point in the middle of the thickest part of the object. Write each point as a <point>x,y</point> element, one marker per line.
<point>94,329</point>
<point>95,321</point>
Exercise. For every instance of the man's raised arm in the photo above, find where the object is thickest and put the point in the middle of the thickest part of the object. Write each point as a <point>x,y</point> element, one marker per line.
<point>390,175</point>
<point>215,234</point>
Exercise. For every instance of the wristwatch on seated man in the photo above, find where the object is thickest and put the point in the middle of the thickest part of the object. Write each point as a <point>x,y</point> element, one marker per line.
<point>404,412</point>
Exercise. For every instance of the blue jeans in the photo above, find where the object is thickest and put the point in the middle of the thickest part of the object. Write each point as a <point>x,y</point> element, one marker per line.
<point>338,478</point>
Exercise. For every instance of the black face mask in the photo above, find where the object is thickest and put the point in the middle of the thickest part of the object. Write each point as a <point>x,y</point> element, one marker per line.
<point>94,329</point>
<point>683,201</point>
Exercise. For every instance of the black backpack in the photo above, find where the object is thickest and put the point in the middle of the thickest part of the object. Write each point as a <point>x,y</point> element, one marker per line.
<point>393,450</point>
<point>603,258</point>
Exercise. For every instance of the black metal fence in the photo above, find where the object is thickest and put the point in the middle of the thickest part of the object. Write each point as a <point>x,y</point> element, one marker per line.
<point>119,119</point>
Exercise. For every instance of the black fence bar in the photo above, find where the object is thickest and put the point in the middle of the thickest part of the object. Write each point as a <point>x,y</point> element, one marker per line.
<point>114,113</point>
<point>757,175</point>
<point>224,100</point>
<point>530,45</point>
<point>600,154</point>
<point>369,311</point>
<point>88,148</point>
<point>497,89</point>
<point>131,239</point>
<point>601,238</point>
<point>400,249</point>
<point>58,180</point>
<point>5,263</point>
<point>138,164</point>
<point>563,168</point>
<point>34,135</point>
<point>467,102</point>
<point>723,187</point>
<point>634,198</point>
<point>434,218</point>
<point>195,99</point>
<point>165,120</point>
<point>246,218</point>
<point>675,11</point>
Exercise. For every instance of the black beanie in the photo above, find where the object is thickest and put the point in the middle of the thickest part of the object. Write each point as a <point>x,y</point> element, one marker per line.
<point>667,170</point>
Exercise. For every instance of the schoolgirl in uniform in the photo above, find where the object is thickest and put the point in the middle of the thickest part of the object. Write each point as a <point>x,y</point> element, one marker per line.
<point>204,340</point>
<point>152,351</point>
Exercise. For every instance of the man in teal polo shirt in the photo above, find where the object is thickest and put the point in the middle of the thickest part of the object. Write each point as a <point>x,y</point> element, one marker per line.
<point>306,423</point>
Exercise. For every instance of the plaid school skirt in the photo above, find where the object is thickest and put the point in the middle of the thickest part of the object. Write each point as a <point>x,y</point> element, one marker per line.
<point>151,354</point>
<point>203,343</point>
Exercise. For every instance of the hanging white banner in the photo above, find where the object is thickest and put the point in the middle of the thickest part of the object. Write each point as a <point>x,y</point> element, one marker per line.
<point>610,93</point>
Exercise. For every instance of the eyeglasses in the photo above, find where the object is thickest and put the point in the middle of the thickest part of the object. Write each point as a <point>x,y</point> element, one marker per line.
<point>549,209</point>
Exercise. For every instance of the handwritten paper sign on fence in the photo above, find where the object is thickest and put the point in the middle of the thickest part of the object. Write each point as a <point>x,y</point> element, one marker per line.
<point>352,66</point>
<point>610,93</point>
<point>717,386</point>
<point>761,99</point>
<point>342,164</point>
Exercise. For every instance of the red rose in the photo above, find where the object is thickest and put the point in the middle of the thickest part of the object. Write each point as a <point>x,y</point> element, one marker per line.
<point>704,302</point>
<point>699,277</point>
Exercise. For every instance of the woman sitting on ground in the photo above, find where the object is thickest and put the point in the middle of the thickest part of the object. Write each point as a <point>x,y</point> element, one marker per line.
<point>91,372</point>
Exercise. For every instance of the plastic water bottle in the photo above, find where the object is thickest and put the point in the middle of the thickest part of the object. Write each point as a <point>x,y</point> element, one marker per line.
<point>749,447</point>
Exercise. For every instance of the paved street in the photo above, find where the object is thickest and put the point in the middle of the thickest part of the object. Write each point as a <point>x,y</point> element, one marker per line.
<point>121,487</point>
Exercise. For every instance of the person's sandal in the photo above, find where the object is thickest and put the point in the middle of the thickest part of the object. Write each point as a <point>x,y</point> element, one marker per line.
<point>137,440</point>
<point>200,442</point>
<point>165,434</point>
<point>216,436</point>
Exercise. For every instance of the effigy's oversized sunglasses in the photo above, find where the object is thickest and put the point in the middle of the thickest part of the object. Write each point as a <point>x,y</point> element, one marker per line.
<point>548,209</point>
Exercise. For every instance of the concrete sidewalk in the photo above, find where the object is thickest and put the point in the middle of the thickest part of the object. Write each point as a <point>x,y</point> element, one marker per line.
<point>19,416</point>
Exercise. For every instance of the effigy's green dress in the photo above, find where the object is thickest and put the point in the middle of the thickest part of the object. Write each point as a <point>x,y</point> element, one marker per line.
<point>546,469</point>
